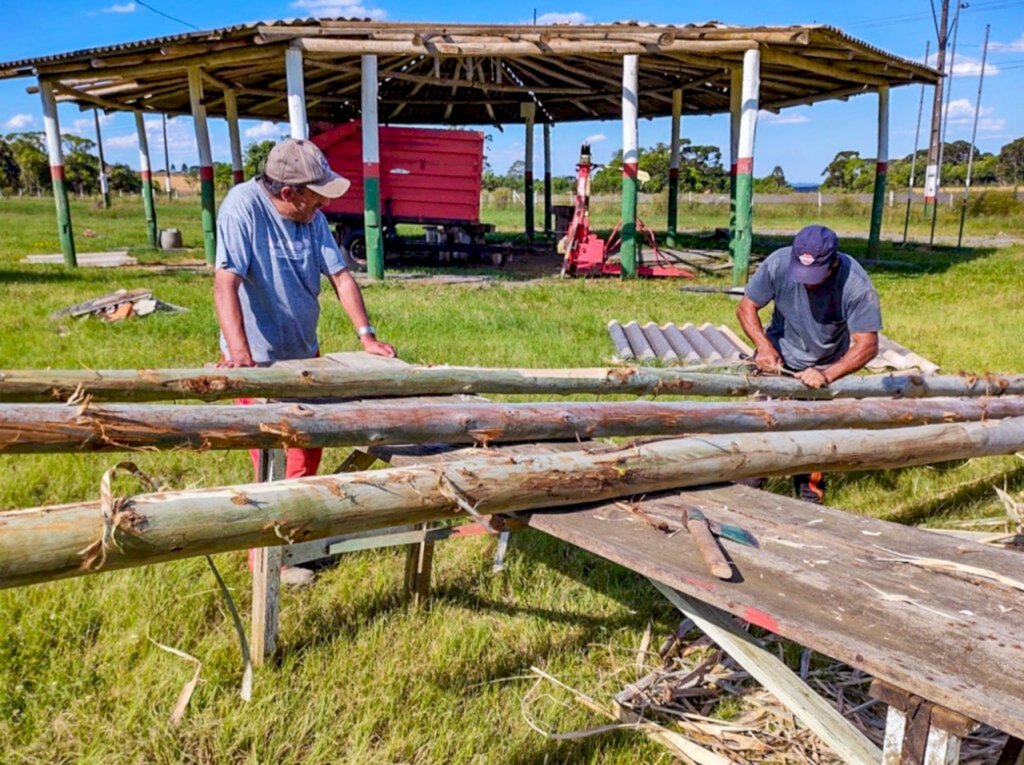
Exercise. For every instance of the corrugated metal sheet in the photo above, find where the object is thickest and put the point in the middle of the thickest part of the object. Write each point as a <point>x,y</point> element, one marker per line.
<point>710,346</point>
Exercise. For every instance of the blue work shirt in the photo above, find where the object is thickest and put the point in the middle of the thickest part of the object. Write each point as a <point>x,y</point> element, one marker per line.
<point>812,327</point>
<point>280,263</point>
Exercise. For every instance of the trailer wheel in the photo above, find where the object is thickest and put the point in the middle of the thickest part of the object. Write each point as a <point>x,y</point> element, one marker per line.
<point>499,258</point>
<point>355,244</point>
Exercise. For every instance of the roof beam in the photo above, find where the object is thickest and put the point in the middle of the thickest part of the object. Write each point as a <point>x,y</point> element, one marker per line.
<point>774,56</point>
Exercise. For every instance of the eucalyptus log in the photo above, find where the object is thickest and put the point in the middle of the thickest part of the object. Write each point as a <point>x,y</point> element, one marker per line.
<point>322,381</point>
<point>53,428</point>
<point>47,543</point>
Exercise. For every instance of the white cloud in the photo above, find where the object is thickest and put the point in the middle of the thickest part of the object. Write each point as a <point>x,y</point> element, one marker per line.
<point>87,126</point>
<point>1017,46</point>
<point>126,141</point>
<point>264,131</point>
<point>128,7</point>
<point>770,118</point>
<point>960,112</point>
<point>344,8</point>
<point>965,66</point>
<point>19,122</point>
<point>572,17</point>
<point>595,138</point>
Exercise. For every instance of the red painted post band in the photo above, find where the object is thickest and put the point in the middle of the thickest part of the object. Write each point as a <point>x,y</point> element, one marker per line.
<point>206,173</point>
<point>528,176</point>
<point>147,176</point>
<point>57,172</point>
<point>238,175</point>
<point>732,169</point>
<point>744,166</point>
<point>629,170</point>
<point>673,173</point>
<point>881,167</point>
<point>371,170</point>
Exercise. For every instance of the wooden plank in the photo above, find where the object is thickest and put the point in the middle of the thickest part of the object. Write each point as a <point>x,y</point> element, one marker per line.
<point>842,737</point>
<point>828,580</point>
<point>266,575</point>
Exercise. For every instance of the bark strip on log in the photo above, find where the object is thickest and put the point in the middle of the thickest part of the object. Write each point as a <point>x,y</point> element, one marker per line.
<point>51,428</point>
<point>46,543</point>
<point>297,383</point>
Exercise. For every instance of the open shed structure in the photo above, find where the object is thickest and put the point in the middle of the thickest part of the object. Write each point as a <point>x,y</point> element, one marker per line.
<point>443,74</point>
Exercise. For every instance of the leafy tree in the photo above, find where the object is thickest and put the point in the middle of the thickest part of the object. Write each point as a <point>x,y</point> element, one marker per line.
<point>223,176</point>
<point>773,183</point>
<point>10,173</point>
<point>29,150</point>
<point>255,157</point>
<point>81,168</point>
<point>1010,165</point>
<point>123,178</point>
<point>847,171</point>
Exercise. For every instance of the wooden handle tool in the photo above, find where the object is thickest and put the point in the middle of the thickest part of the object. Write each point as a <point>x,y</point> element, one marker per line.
<point>712,554</point>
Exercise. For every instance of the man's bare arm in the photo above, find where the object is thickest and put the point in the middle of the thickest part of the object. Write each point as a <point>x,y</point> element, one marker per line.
<point>229,316</point>
<point>351,299</point>
<point>863,348</point>
<point>766,357</point>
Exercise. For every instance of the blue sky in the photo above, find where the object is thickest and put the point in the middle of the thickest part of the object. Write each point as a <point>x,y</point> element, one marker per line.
<point>802,140</point>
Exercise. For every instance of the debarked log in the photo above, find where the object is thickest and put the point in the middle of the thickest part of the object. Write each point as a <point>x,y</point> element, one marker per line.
<point>47,543</point>
<point>50,428</point>
<point>319,382</point>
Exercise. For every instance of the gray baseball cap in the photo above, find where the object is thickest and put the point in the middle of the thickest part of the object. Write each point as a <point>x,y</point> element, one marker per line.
<point>295,162</point>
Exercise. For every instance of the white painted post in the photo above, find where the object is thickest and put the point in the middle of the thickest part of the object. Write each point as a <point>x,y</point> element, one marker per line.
<point>146,172</point>
<point>195,91</point>
<point>630,156</point>
<point>104,184</point>
<point>60,186</point>
<point>528,111</point>
<point>745,167</point>
<point>167,158</point>
<point>881,169</point>
<point>673,168</point>
<point>296,93</point>
<point>372,222</point>
<point>231,111</point>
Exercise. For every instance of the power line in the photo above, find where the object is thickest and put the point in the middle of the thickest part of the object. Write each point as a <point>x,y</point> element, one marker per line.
<point>166,15</point>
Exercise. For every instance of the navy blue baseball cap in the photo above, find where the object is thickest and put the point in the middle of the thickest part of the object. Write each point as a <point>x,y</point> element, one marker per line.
<point>815,248</point>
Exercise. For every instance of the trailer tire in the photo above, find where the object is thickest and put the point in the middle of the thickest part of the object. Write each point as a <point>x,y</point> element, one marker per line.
<point>355,245</point>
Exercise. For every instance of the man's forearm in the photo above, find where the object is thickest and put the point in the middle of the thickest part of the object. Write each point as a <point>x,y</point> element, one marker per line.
<point>229,316</point>
<point>863,349</point>
<point>750,323</point>
<point>351,299</point>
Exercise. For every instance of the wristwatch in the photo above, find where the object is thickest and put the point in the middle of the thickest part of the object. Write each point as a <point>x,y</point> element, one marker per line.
<point>366,330</point>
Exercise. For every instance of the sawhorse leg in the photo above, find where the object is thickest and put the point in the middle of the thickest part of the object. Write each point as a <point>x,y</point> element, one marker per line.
<point>266,574</point>
<point>918,732</point>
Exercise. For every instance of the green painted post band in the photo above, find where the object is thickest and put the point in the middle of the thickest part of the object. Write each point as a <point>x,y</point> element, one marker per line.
<point>147,203</point>
<point>744,228</point>
<point>673,207</point>
<point>371,224</point>
<point>627,252</point>
<point>209,216</point>
<point>64,230</point>
<point>877,212</point>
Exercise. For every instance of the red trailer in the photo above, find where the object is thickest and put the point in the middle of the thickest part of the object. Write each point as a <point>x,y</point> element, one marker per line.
<point>427,177</point>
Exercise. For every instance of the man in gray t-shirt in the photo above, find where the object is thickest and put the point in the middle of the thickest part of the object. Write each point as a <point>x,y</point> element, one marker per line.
<point>825,320</point>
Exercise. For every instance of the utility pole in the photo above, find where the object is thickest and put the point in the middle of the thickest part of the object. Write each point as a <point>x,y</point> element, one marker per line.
<point>931,180</point>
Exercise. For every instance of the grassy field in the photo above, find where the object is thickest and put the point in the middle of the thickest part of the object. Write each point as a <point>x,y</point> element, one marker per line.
<point>364,678</point>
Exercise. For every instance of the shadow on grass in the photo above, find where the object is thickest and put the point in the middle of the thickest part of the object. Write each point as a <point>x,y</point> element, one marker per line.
<point>47,276</point>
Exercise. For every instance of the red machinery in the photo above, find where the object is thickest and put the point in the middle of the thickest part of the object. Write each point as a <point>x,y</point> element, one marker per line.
<point>586,254</point>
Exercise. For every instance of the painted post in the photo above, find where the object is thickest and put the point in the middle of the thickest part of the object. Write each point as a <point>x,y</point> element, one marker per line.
<point>547,179</point>
<point>745,167</point>
<point>147,180</point>
<point>371,171</point>
<point>297,93</point>
<point>104,183</point>
<point>528,111</point>
<point>630,105</point>
<point>60,186</point>
<point>881,164</point>
<point>673,169</point>
<point>735,105</point>
<point>209,215</point>
<point>167,158</point>
<point>231,112</point>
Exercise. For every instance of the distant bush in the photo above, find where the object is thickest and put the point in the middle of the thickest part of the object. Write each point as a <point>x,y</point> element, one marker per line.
<point>996,204</point>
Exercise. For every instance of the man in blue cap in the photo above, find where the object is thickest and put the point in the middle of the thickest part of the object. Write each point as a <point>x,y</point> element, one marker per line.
<point>825,321</point>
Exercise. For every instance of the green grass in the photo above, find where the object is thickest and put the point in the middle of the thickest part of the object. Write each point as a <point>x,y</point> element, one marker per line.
<point>365,678</point>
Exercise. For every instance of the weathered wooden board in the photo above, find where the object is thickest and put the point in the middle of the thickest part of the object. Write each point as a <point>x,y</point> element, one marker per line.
<point>827,579</point>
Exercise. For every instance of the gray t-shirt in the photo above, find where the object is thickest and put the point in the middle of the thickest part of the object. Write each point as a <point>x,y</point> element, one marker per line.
<point>812,327</point>
<point>280,262</point>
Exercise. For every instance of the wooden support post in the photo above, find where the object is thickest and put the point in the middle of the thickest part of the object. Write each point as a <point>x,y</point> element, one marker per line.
<point>673,170</point>
<point>60,186</point>
<point>735,109</point>
<point>296,93</point>
<point>167,157</point>
<point>849,744</point>
<point>372,222</point>
<point>881,163</point>
<point>745,167</point>
<point>266,574</point>
<point>209,213</point>
<point>419,562</point>
<point>147,181</point>
<point>1013,752</point>
<point>630,106</point>
<point>528,111</point>
<point>547,180</point>
<point>231,111</point>
<point>918,732</point>
<point>104,183</point>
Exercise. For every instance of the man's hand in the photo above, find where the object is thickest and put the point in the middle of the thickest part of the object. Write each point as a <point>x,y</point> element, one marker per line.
<point>768,359</point>
<point>812,378</point>
<point>237,360</point>
<point>377,348</point>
